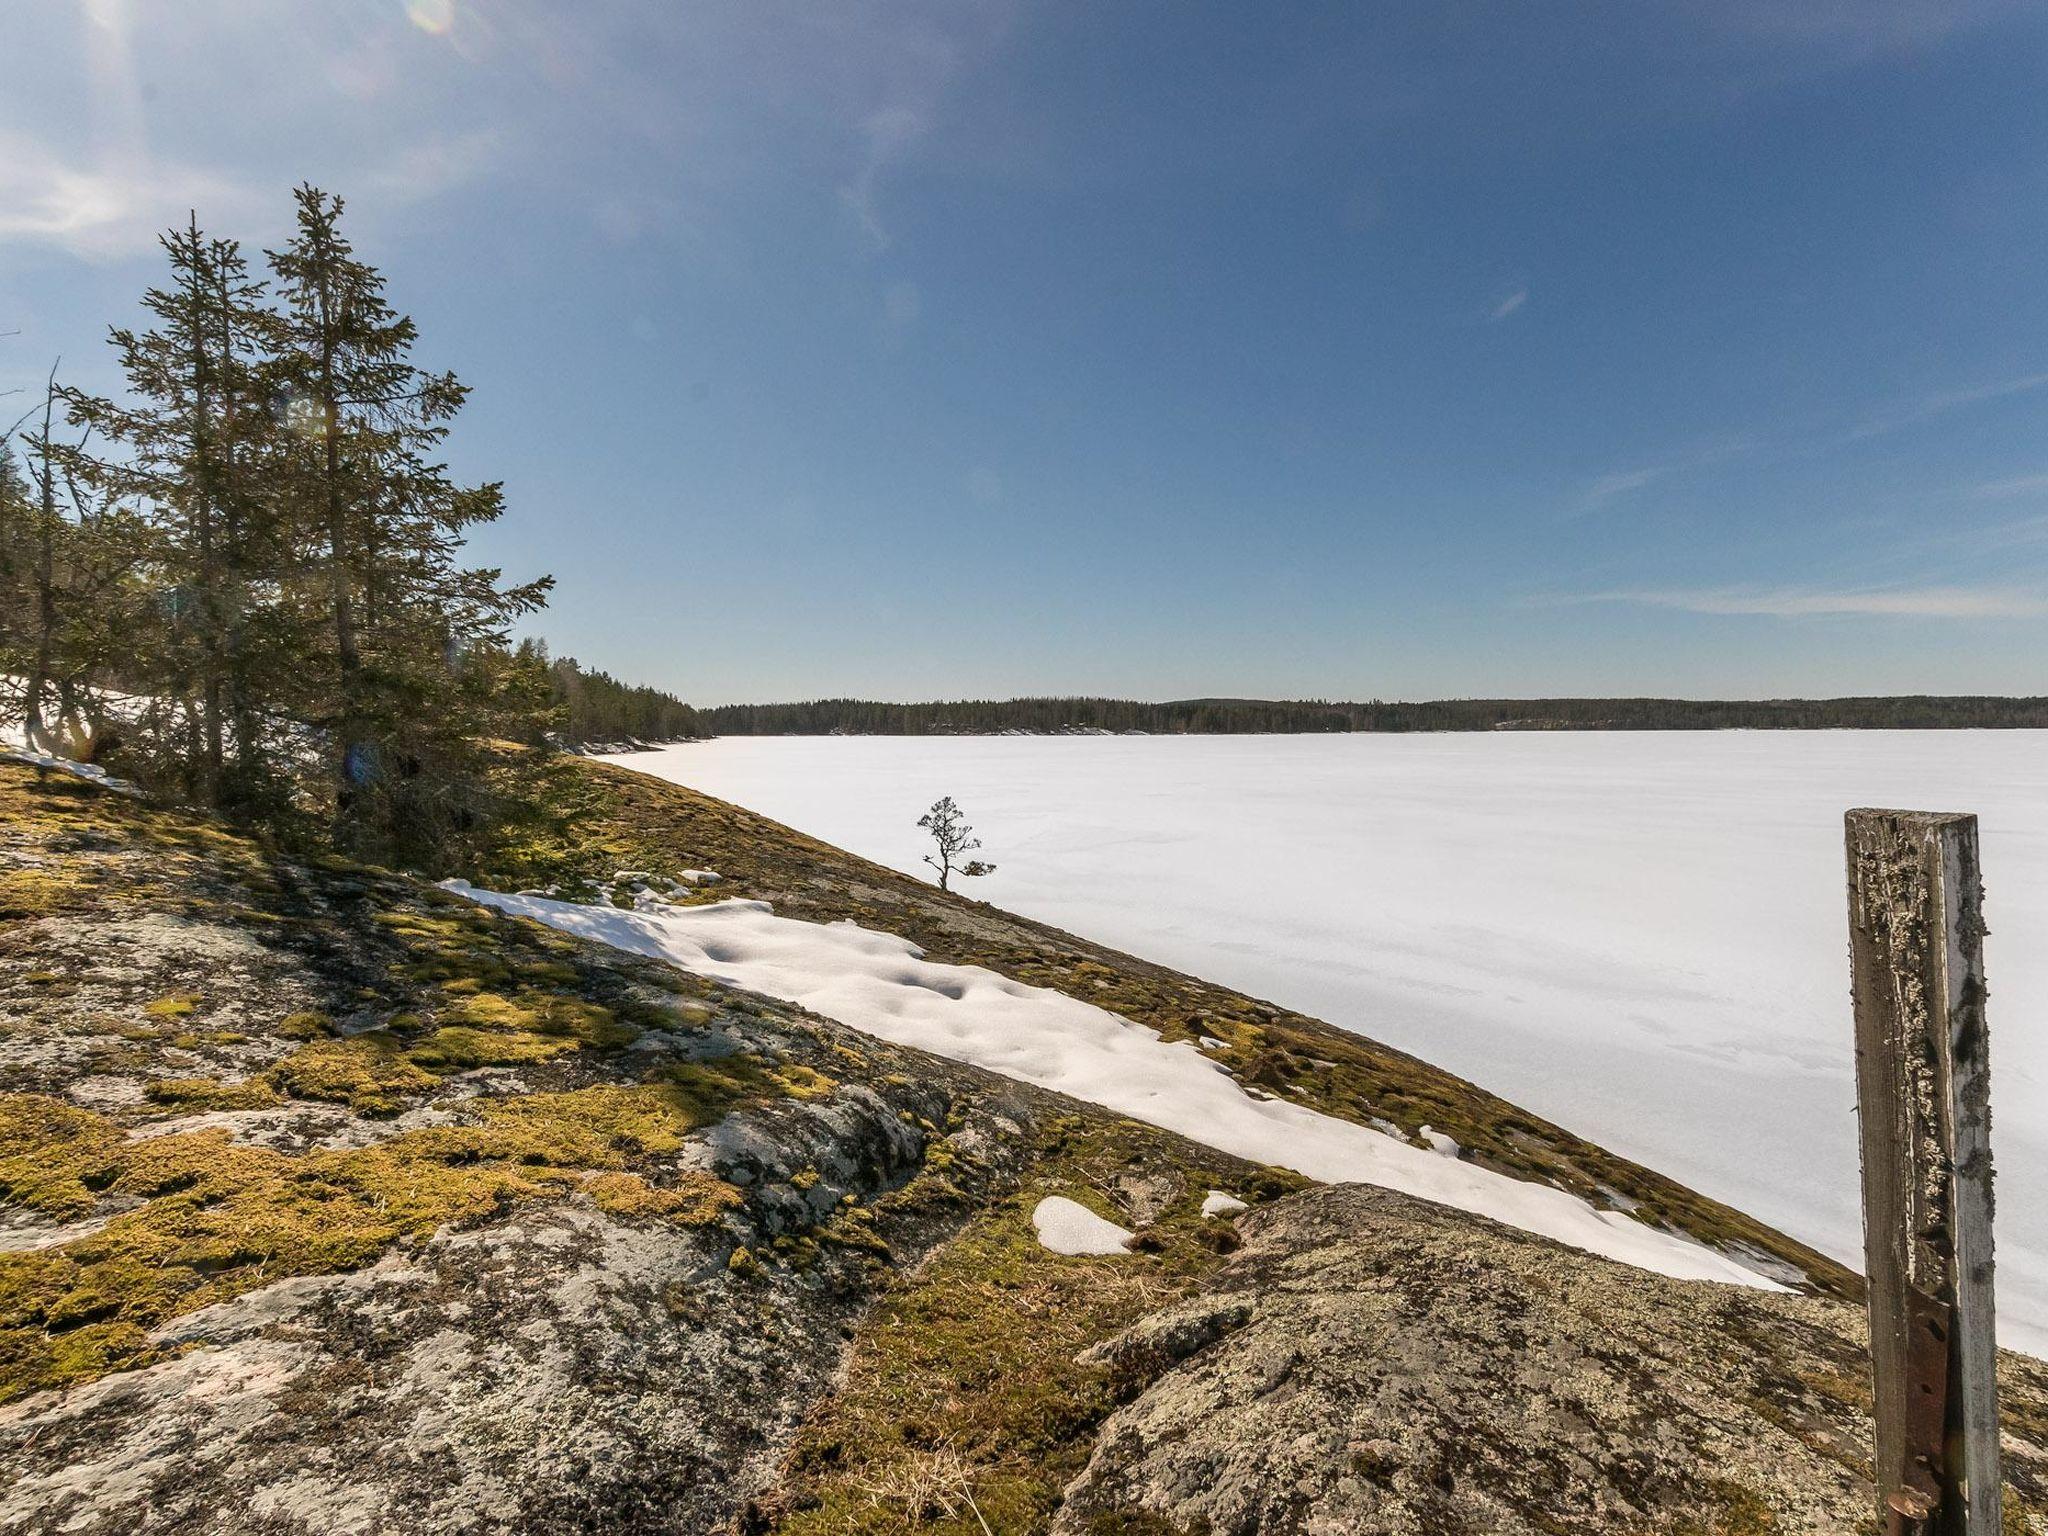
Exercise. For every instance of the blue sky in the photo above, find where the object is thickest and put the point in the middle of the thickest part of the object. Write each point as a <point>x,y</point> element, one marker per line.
<point>913,350</point>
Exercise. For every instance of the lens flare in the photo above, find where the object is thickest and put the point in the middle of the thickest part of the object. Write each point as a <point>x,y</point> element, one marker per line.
<point>435,16</point>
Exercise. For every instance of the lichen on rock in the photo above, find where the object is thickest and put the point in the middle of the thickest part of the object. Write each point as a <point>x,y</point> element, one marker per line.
<point>1371,1362</point>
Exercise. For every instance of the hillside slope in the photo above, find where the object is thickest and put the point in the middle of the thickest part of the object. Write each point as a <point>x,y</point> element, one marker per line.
<point>618,819</point>
<point>329,1202</point>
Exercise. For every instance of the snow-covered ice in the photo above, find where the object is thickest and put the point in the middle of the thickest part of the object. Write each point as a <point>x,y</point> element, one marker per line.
<point>881,983</point>
<point>1640,935</point>
<point>1067,1226</point>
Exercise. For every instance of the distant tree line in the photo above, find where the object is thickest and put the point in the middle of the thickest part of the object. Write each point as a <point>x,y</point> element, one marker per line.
<point>1051,716</point>
<point>241,583</point>
<point>968,717</point>
<point>593,709</point>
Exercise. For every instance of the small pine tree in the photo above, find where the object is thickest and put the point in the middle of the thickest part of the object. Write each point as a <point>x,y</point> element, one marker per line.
<point>954,838</point>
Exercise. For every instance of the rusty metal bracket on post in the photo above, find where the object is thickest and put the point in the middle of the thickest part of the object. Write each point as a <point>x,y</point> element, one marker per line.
<point>1923,1079</point>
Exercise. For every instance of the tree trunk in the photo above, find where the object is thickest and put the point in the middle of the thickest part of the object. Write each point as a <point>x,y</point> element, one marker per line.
<point>33,730</point>
<point>235,537</point>
<point>340,585</point>
<point>204,494</point>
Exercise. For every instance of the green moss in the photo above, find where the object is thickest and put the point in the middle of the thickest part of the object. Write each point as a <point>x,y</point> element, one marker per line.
<point>1851,1392</point>
<point>714,1088</point>
<point>218,1217</point>
<point>101,835</point>
<point>965,1376</point>
<point>54,1157</point>
<point>676,1017</point>
<point>1736,1510</point>
<point>599,1127</point>
<point>693,1200</point>
<point>28,893</point>
<point>369,1072</point>
<point>305,1026</point>
<point>457,1048</point>
<point>978,1360</point>
<point>544,1013</point>
<point>209,1093</point>
<point>555,973</point>
<point>802,1082</point>
<point>177,1005</point>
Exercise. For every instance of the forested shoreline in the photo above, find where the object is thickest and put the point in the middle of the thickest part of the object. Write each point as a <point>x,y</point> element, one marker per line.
<point>1051,716</point>
<point>595,709</point>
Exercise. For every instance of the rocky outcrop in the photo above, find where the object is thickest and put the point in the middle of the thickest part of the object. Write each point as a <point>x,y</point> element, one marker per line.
<point>331,1204</point>
<point>1373,1363</point>
<point>560,1369</point>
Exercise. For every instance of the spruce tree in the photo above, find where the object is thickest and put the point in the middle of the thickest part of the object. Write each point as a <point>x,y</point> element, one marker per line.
<point>194,447</point>
<point>413,648</point>
<point>258,543</point>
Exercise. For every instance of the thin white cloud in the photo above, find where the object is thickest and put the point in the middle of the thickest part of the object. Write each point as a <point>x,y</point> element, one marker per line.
<point>1606,487</point>
<point>108,210</point>
<point>1511,303</point>
<point>1943,403</point>
<point>114,208</point>
<point>884,136</point>
<point>427,169</point>
<point>1623,482</point>
<point>1753,46</point>
<point>1850,31</point>
<point>1937,602</point>
<point>2017,485</point>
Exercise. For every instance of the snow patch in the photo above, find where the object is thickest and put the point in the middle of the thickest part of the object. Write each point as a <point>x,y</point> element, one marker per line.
<point>882,984</point>
<point>1220,1204</point>
<point>92,773</point>
<point>1067,1226</point>
<point>1439,1143</point>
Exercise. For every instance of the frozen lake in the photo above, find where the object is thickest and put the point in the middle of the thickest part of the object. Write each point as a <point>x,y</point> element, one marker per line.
<point>1641,936</point>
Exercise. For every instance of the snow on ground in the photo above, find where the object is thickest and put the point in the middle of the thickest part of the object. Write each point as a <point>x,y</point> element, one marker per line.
<point>1067,1226</point>
<point>1640,935</point>
<point>882,984</point>
<point>15,748</point>
<point>1217,1203</point>
<point>92,773</point>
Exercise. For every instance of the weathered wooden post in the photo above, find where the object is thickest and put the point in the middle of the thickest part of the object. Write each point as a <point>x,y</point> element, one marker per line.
<point>1923,1077</point>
